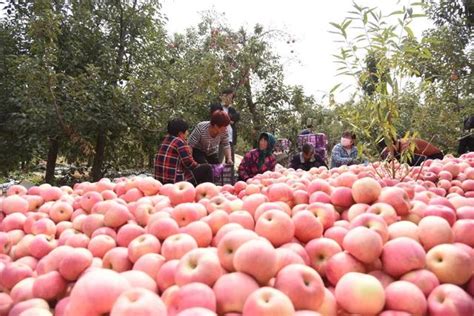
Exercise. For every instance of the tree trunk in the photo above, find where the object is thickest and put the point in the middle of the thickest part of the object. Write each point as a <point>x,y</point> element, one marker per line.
<point>51,163</point>
<point>99,156</point>
<point>257,126</point>
<point>151,161</point>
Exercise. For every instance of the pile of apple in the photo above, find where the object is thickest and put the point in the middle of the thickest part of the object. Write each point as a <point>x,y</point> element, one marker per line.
<point>343,241</point>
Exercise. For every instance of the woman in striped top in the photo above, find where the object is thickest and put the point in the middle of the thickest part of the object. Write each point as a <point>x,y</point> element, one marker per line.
<point>208,135</point>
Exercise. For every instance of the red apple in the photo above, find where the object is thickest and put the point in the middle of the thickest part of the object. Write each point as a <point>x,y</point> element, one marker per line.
<point>405,296</point>
<point>182,192</point>
<point>450,264</point>
<point>228,298</point>
<point>307,226</point>
<point>149,263</point>
<point>276,226</point>
<point>340,264</point>
<point>138,301</point>
<point>303,286</point>
<point>268,301</point>
<point>383,277</point>
<point>206,190</point>
<point>198,265</point>
<point>139,279</point>
<point>230,243</point>
<point>162,228</point>
<point>257,258</point>
<point>96,292</point>
<point>364,244</point>
<point>100,244</point>
<point>402,255</point>
<point>403,229</point>
<point>424,279</point>
<point>366,190</point>
<point>449,299</point>
<point>142,245</point>
<point>463,231</point>
<point>191,295</point>
<point>320,251</point>
<point>372,222</point>
<point>176,246</point>
<point>397,198</point>
<point>49,286</point>
<point>434,230</point>
<point>243,218</point>
<point>360,293</point>
<point>117,259</point>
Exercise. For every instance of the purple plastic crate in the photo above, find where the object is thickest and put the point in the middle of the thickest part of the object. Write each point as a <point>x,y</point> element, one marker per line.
<point>282,144</point>
<point>223,174</point>
<point>217,170</point>
<point>317,140</point>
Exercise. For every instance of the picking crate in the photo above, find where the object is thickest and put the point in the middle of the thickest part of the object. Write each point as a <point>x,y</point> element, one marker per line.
<point>282,145</point>
<point>223,174</point>
<point>318,140</point>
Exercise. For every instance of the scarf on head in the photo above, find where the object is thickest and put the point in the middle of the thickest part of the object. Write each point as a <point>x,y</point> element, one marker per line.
<point>262,154</point>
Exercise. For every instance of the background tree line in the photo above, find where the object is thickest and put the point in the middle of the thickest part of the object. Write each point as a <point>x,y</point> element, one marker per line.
<point>95,82</point>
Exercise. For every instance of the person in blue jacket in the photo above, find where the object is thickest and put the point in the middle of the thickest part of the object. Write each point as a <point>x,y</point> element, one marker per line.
<point>345,152</point>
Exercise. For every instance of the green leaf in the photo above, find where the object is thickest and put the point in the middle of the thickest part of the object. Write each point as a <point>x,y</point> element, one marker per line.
<point>358,8</point>
<point>339,27</point>
<point>346,24</point>
<point>409,31</point>
<point>398,12</point>
<point>333,89</point>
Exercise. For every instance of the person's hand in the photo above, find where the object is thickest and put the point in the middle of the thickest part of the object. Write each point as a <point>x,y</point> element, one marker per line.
<point>229,162</point>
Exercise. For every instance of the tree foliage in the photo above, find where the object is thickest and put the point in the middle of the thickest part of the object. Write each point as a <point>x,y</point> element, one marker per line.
<point>406,87</point>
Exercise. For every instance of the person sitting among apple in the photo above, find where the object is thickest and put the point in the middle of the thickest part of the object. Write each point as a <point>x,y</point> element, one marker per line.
<point>344,153</point>
<point>307,159</point>
<point>207,136</point>
<point>424,150</point>
<point>174,161</point>
<point>260,159</point>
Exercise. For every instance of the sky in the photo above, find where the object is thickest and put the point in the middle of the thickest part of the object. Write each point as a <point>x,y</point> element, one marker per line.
<point>308,61</point>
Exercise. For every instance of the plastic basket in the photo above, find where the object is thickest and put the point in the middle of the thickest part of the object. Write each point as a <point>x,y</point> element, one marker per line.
<point>318,140</point>
<point>282,145</point>
<point>223,174</point>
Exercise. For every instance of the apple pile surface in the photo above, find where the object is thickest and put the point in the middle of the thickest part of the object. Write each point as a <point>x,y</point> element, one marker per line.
<point>345,241</point>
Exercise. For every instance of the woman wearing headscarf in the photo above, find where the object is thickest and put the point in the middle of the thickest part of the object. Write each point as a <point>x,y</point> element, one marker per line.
<point>260,159</point>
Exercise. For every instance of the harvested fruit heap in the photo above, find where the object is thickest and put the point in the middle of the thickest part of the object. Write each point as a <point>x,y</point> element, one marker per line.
<point>323,242</point>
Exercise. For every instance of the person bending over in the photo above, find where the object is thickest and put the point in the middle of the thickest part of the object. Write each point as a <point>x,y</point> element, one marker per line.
<point>174,161</point>
<point>307,159</point>
<point>424,150</point>
<point>208,135</point>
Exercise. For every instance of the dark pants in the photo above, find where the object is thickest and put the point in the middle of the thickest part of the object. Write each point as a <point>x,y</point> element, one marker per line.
<point>419,159</point>
<point>201,157</point>
<point>202,173</point>
<point>466,144</point>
